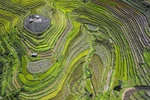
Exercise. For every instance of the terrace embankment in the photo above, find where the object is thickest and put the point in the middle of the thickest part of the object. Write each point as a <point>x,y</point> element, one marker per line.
<point>129,91</point>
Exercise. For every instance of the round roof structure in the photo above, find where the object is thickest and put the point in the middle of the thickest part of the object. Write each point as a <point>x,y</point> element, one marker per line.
<point>36,23</point>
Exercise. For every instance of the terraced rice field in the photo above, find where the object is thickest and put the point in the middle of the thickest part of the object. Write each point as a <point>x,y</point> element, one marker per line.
<point>89,50</point>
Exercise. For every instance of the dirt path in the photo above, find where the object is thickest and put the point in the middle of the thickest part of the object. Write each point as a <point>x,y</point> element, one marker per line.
<point>129,91</point>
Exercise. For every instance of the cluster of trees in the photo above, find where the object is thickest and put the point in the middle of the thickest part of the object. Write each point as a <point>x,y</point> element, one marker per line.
<point>7,59</point>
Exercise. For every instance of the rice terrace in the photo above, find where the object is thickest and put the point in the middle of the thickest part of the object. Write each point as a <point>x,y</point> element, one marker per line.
<point>74,49</point>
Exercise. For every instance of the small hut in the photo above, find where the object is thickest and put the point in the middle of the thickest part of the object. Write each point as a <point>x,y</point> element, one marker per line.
<point>34,54</point>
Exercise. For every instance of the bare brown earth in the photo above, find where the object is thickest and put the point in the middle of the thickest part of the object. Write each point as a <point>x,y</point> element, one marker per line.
<point>129,91</point>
